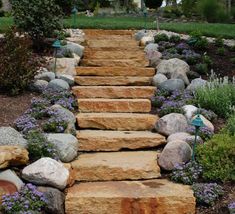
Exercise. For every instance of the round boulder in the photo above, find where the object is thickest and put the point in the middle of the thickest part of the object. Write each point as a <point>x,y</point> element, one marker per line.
<point>172,85</point>
<point>58,85</point>
<point>175,153</point>
<point>189,111</point>
<point>197,83</point>
<point>158,79</point>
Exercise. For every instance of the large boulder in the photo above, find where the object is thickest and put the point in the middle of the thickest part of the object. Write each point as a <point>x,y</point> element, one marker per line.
<point>189,111</point>
<point>197,83</point>
<point>47,76</point>
<point>11,137</point>
<point>11,177</point>
<point>66,146</point>
<point>174,69</point>
<point>175,153</point>
<point>38,86</point>
<point>158,79</point>
<point>67,78</point>
<point>55,200</point>
<point>58,85</point>
<point>154,58</point>
<point>151,47</point>
<point>146,40</point>
<point>206,122</point>
<point>140,34</point>
<point>183,136</point>
<point>172,85</point>
<point>13,156</point>
<point>75,48</point>
<point>46,171</point>
<point>171,123</point>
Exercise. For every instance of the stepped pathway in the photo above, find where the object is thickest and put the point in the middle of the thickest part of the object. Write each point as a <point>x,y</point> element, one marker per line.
<point>117,170</point>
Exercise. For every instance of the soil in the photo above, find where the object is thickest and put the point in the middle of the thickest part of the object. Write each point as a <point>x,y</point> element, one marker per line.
<point>13,107</point>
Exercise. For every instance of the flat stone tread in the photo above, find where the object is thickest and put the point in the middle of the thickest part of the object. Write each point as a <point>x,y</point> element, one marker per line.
<point>115,115</point>
<point>95,32</point>
<point>115,71</point>
<point>112,43</point>
<point>111,81</point>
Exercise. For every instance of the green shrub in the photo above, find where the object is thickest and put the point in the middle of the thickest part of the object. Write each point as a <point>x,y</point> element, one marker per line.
<point>233,60</point>
<point>188,7</point>
<point>175,38</point>
<point>196,40</point>
<point>207,60</point>
<point>1,4</point>
<point>219,42</point>
<point>161,37</point>
<point>18,66</point>
<point>217,157</point>
<point>39,18</point>
<point>230,126</point>
<point>221,51</point>
<point>202,68</point>
<point>218,97</point>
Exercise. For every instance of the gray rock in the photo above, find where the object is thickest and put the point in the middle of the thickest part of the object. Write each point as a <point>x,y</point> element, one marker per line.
<point>47,76</point>
<point>55,199</point>
<point>66,146</point>
<point>47,171</point>
<point>172,123</point>
<point>151,47</point>
<point>68,78</point>
<point>11,137</point>
<point>10,176</point>
<point>197,83</point>
<point>140,34</point>
<point>158,79</point>
<point>38,86</point>
<point>146,40</point>
<point>58,85</point>
<point>154,58</point>
<point>174,69</point>
<point>183,136</point>
<point>172,85</point>
<point>174,153</point>
<point>206,122</point>
<point>189,111</point>
<point>75,48</point>
<point>64,52</point>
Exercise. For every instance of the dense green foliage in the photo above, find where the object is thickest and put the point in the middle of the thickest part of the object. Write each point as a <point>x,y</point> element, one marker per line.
<point>230,126</point>
<point>153,3</point>
<point>217,157</point>
<point>17,64</point>
<point>39,18</point>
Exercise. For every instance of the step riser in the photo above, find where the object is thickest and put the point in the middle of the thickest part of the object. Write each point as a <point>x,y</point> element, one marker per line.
<point>113,43</point>
<point>115,71</point>
<point>120,122</point>
<point>109,37</point>
<point>107,141</point>
<point>119,106</point>
<point>113,81</point>
<point>89,32</point>
<point>113,92</point>
<point>114,63</point>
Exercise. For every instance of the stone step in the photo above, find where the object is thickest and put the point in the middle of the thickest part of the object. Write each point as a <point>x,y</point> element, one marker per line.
<point>113,166</point>
<point>98,43</point>
<point>109,37</point>
<point>118,48</point>
<point>115,105</point>
<point>114,92</point>
<point>157,196</point>
<point>128,54</point>
<point>117,121</point>
<point>115,71</point>
<point>115,63</point>
<point>92,140</point>
<point>95,32</point>
<point>112,81</point>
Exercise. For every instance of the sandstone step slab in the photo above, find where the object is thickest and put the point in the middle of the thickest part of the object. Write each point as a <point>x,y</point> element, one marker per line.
<point>114,92</point>
<point>116,166</point>
<point>114,105</point>
<point>115,71</point>
<point>109,37</point>
<point>115,63</point>
<point>92,140</point>
<point>114,43</point>
<point>94,54</point>
<point>157,196</point>
<point>95,32</point>
<point>119,48</point>
<point>117,121</point>
<point>112,81</point>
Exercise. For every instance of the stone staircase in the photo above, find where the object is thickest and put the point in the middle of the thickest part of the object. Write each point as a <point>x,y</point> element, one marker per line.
<point>117,170</point>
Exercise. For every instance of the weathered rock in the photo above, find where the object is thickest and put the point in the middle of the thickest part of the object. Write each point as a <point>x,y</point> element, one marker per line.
<point>67,78</point>
<point>117,121</point>
<point>12,156</point>
<point>11,137</point>
<point>114,105</point>
<point>66,145</point>
<point>158,79</point>
<point>115,71</point>
<point>197,83</point>
<point>125,197</point>
<point>47,76</point>
<point>189,111</point>
<point>171,123</point>
<point>174,69</point>
<point>178,136</point>
<point>11,177</point>
<point>116,166</point>
<point>172,85</point>
<point>46,171</point>
<point>75,48</point>
<point>154,58</point>
<point>112,81</point>
<point>175,153</point>
<point>140,34</point>
<point>206,122</point>
<point>114,91</point>
<point>92,140</point>
<point>151,47</point>
<point>58,85</point>
<point>55,200</point>
<point>146,40</point>
<point>38,86</point>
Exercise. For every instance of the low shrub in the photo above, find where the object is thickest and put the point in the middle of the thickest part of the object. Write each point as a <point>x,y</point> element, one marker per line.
<point>230,126</point>
<point>175,38</point>
<point>219,42</point>
<point>204,132</point>
<point>161,37</point>
<point>39,147</point>
<point>26,123</point>
<point>18,65</point>
<point>207,60</point>
<point>221,51</point>
<point>197,41</point>
<point>217,157</point>
<point>233,60</point>
<point>191,57</point>
<point>201,68</point>
<point>207,193</point>
<point>187,173</point>
<point>208,114</point>
<point>28,199</point>
<point>231,207</point>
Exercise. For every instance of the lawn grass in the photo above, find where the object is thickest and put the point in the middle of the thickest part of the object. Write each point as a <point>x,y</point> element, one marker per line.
<point>213,30</point>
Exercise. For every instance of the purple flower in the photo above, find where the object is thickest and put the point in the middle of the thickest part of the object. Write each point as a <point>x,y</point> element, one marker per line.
<point>25,123</point>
